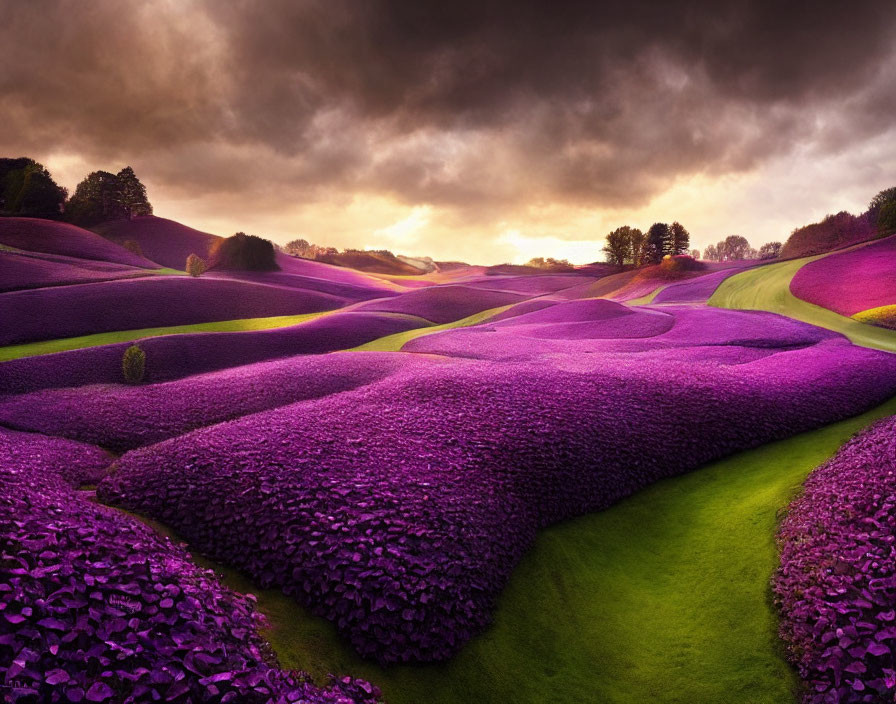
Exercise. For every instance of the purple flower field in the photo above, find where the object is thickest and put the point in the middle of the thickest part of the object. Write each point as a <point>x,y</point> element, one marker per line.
<point>836,587</point>
<point>31,270</point>
<point>51,237</point>
<point>70,311</point>
<point>398,510</point>
<point>850,282</point>
<point>176,356</point>
<point>444,304</point>
<point>96,607</point>
<point>391,493</point>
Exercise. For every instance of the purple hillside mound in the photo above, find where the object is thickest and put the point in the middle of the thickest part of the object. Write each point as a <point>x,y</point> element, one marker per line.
<point>31,270</point>
<point>51,237</point>
<point>95,606</point>
<point>445,304</point>
<point>51,313</point>
<point>327,272</point>
<point>639,330</point>
<point>523,308</point>
<point>122,417</point>
<point>353,292</point>
<point>76,463</point>
<point>581,311</point>
<point>589,319</point>
<point>398,510</point>
<point>177,356</point>
<point>850,282</point>
<point>836,586</point>
<point>164,241</point>
<point>696,290</point>
<point>532,285</point>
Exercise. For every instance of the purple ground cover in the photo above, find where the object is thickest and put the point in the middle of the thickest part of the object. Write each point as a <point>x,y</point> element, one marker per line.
<point>695,290</point>
<point>164,241</point>
<point>177,356</point>
<point>836,587</point>
<point>342,289</point>
<point>532,285</point>
<point>122,417</point>
<point>627,331</point>
<point>444,304</point>
<point>850,282</point>
<point>70,311</point>
<point>96,607</point>
<point>18,271</point>
<point>398,510</point>
<point>52,237</point>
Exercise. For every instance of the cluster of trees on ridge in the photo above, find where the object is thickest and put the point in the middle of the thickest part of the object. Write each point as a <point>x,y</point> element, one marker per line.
<point>28,190</point>
<point>628,246</point>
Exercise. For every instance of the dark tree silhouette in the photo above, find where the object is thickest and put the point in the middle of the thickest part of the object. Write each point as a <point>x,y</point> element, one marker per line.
<point>770,250</point>
<point>103,196</point>
<point>619,246</point>
<point>96,199</point>
<point>28,190</point>
<point>681,238</point>
<point>132,193</point>
<point>243,252</point>
<point>659,243</point>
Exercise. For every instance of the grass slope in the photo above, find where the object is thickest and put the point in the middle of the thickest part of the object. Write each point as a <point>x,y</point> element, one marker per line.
<point>33,349</point>
<point>663,598</point>
<point>768,288</point>
<point>394,343</point>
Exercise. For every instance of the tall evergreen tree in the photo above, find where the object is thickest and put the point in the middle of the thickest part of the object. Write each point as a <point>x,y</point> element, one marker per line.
<point>639,245</point>
<point>680,238</point>
<point>659,242</point>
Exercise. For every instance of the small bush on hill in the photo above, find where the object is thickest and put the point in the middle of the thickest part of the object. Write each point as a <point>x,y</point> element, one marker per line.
<point>133,364</point>
<point>196,265</point>
<point>550,264</point>
<point>244,252</point>
<point>680,263</point>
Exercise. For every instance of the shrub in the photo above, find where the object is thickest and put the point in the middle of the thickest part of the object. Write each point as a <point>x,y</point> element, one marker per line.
<point>133,364</point>
<point>244,252</point>
<point>679,263</point>
<point>196,265</point>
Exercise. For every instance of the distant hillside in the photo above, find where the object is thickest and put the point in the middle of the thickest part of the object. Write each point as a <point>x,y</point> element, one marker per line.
<point>163,241</point>
<point>374,262</point>
<point>52,237</point>
<point>834,232</point>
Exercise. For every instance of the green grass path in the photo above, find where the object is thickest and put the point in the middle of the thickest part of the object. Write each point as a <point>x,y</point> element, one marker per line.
<point>393,343</point>
<point>663,598</point>
<point>768,288</point>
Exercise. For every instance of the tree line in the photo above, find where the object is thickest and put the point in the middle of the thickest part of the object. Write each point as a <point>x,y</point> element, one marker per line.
<point>28,190</point>
<point>629,246</point>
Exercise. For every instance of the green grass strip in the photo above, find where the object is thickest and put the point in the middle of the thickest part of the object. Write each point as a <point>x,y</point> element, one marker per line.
<point>645,300</point>
<point>768,288</point>
<point>394,343</point>
<point>663,598</point>
<point>32,349</point>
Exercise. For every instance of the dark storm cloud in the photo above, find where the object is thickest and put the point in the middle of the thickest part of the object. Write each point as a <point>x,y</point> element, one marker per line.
<point>479,105</point>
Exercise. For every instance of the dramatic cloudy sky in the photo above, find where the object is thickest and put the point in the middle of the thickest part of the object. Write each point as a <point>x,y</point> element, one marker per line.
<point>478,130</point>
